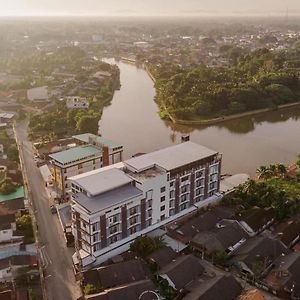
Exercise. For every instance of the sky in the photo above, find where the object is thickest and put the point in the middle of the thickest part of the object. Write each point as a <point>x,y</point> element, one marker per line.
<point>148,7</point>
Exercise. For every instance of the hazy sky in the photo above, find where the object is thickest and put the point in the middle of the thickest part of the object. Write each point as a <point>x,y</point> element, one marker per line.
<point>148,7</point>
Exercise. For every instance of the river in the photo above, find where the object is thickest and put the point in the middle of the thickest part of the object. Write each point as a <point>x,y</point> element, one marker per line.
<point>246,144</point>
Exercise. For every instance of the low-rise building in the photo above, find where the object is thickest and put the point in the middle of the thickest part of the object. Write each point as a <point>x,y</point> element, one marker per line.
<point>114,205</point>
<point>93,154</point>
<point>39,94</point>
<point>77,102</point>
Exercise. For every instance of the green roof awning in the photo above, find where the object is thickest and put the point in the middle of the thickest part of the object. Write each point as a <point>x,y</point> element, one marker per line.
<point>19,193</point>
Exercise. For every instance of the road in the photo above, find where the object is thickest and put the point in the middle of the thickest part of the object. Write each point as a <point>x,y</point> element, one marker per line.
<point>60,281</point>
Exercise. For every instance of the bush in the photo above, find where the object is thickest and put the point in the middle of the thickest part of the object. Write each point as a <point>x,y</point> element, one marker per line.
<point>7,187</point>
<point>89,289</point>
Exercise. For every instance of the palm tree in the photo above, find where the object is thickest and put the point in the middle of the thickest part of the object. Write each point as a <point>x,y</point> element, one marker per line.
<point>273,170</point>
<point>263,172</point>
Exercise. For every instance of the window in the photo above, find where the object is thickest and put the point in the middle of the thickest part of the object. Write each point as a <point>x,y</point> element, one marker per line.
<point>172,203</point>
<point>114,219</point>
<point>163,189</point>
<point>149,204</point>
<point>199,191</point>
<point>199,182</point>
<point>113,239</point>
<point>183,206</point>
<point>212,185</point>
<point>172,183</point>
<point>113,229</point>
<point>96,237</point>
<point>185,188</point>
<point>97,247</point>
<point>133,210</point>
<point>172,194</point>
<point>185,178</point>
<point>133,220</point>
<point>162,208</point>
<point>199,174</point>
<point>162,217</point>
<point>133,229</point>
<point>96,226</point>
<point>184,198</point>
<point>172,212</point>
<point>149,222</point>
<point>149,213</point>
<point>149,194</point>
<point>162,199</point>
<point>214,169</point>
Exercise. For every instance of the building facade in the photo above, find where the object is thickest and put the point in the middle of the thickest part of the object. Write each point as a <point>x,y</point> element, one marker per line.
<point>114,205</point>
<point>93,154</point>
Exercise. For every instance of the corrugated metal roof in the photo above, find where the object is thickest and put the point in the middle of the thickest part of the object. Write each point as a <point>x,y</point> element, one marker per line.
<point>75,154</point>
<point>19,193</point>
<point>85,138</point>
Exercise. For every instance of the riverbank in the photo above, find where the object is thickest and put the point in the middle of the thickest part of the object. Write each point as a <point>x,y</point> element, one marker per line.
<point>230,117</point>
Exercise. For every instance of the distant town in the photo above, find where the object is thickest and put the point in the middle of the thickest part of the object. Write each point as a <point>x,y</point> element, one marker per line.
<point>82,219</point>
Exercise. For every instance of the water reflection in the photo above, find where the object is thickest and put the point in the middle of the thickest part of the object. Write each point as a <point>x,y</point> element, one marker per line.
<point>133,120</point>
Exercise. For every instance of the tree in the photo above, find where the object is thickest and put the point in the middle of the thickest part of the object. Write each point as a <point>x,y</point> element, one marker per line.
<point>145,245</point>
<point>7,187</point>
<point>263,172</point>
<point>90,289</point>
<point>13,153</point>
<point>220,257</point>
<point>88,123</point>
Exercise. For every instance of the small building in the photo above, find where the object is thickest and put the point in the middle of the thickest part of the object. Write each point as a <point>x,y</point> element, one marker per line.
<point>288,232</point>
<point>256,219</point>
<point>257,254</point>
<point>227,236</point>
<point>75,102</point>
<point>162,257</point>
<point>116,276</point>
<point>11,261</point>
<point>284,277</point>
<point>39,94</point>
<point>94,153</point>
<point>229,184</point>
<point>221,287</point>
<point>182,271</point>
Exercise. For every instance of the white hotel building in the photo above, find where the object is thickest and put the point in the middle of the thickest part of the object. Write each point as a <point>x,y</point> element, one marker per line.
<point>114,205</point>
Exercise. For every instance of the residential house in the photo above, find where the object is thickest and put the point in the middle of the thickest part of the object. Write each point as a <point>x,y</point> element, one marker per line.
<point>162,257</point>
<point>114,205</point>
<point>201,222</point>
<point>220,287</point>
<point>285,276</point>
<point>75,102</point>
<point>256,219</point>
<point>182,271</point>
<point>257,254</point>
<point>133,290</point>
<point>226,236</point>
<point>288,232</point>
<point>11,261</point>
<point>116,274</point>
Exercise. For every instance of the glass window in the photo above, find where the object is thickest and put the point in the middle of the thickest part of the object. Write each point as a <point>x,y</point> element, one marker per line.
<point>162,208</point>
<point>163,189</point>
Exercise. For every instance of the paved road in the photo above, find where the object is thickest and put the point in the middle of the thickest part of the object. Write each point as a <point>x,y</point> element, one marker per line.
<point>59,276</point>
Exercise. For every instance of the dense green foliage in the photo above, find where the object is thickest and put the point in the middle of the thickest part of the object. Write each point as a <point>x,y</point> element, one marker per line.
<point>273,188</point>
<point>144,245</point>
<point>7,187</point>
<point>89,289</point>
<point>256,80</point>
<point>55,124</point>
<point>13,153</point>
<point>24,224</point>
